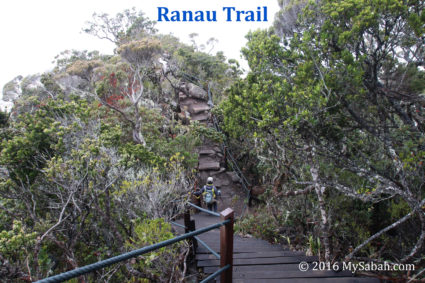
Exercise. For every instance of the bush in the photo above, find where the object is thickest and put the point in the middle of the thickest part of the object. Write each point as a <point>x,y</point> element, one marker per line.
<point>162,265</point>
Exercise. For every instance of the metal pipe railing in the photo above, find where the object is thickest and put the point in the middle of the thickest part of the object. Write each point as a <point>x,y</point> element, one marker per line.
<point>104,263</point>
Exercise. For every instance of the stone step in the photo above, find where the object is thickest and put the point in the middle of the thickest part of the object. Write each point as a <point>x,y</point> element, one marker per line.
<point>189,101</point>
<point>222,181</point>
<point>207,152</point>
<point>209,146</point>
<point>207,158</point>
<point>213,165</point>
<point>200,117</point>
<point>222,170</point>
<point>205,174</point>
<point>182,96</point>
<point>197,108</point>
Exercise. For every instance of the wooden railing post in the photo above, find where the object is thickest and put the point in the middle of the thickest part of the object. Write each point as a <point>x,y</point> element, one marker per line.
<point>226,245</point>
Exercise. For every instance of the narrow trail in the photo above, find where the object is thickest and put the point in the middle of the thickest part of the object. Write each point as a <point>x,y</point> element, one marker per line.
<point>254,260</point>
<point>212,161</point>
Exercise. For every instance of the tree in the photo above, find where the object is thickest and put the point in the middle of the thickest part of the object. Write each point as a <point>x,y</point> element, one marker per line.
<point>189,63</point>
<point>141,57</point>
<point>335,103</point>
<point>4,117</point>
<point>71,191</point>
<point>124,27</point>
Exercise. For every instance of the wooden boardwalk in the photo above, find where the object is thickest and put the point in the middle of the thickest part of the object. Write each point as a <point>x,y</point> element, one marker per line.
<point>256,260</point>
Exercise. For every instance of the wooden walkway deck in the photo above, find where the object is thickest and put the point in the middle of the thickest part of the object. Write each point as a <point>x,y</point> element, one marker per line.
<point>256,260</point>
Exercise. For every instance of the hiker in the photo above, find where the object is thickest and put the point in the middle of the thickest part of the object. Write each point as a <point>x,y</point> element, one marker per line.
<point>210,194</point>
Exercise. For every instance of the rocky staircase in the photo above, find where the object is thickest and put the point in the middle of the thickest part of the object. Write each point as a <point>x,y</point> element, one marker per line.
<point>194,106</point>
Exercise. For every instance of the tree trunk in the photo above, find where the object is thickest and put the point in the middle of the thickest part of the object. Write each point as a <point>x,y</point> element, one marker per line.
<point>324,224</point>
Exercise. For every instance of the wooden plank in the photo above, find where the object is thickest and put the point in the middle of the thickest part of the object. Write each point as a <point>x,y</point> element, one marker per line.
<point>240,246</point>
<point>248,268</point>
<point>259,274</point>
<point>214,239</point>
<point>260,261</point>
<point>202,250</point>
<point>311,280</point>
<point>254,254</point>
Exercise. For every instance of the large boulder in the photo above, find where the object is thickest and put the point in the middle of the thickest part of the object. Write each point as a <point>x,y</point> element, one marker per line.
<point>222,180</point>
<point>234,176</point>
<point>12,90</point>
<point>195,91</point>
<point>30,85</point>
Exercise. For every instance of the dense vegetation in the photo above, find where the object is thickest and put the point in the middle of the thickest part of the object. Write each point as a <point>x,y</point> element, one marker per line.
<point>329,120</point>
<point>94,160</point>
<point>331,115</point>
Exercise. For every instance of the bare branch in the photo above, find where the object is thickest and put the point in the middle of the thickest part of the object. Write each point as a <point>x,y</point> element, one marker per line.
<point>376,235</point>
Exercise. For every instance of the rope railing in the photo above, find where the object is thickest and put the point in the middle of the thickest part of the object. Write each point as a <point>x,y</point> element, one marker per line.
<point>215,274</point>
<point>226,243</point>
<point>207,247</point>
<point>232,159</point>
<point>237,169</point>
<point>105,263</point>
<point>199,241</point>
<point>190,78</point>
<point>204,210</point>
<point>210,101</point>
<point>244,182</point>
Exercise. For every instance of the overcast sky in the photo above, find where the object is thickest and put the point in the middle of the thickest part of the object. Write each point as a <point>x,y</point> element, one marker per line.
<point>34,32</point>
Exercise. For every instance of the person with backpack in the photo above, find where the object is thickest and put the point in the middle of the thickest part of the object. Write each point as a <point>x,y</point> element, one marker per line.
<point>210,194</point>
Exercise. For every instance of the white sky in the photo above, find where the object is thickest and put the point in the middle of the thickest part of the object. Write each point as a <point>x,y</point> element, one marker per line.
<point>34,32</point>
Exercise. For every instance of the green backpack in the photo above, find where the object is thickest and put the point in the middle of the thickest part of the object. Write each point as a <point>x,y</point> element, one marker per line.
<point>209,195</point>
